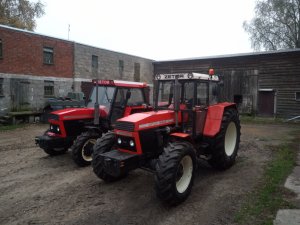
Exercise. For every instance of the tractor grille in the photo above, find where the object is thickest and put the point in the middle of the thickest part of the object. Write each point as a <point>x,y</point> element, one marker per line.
<point>126,126</point>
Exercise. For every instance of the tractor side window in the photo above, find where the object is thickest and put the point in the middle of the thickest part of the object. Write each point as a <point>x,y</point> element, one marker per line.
<point>121,96</point>
<point>189,94</point>
<point>136,97</point>
<point>202,94</point>
<point>213,93</point>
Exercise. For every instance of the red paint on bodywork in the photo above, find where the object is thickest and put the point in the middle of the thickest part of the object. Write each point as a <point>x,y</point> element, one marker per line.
<point>214,118</point>
<point>181,135</point>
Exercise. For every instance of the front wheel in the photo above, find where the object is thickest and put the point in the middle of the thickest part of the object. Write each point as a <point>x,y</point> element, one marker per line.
<point>175,170</point>
<point>226,141</point>
<point>83,147</point>
<point>104,144</point>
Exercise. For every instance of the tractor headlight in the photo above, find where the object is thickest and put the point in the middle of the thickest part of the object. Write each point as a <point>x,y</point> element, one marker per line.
<point>51,127</point>
<point>119,141</point>
<point>131,143</point>
<point>57,129</point>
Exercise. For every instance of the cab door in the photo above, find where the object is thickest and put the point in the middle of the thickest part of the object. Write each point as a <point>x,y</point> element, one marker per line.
<point>200,108</point>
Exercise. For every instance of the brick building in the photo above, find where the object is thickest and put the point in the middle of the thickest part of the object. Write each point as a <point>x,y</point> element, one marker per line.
<point>36,67</point>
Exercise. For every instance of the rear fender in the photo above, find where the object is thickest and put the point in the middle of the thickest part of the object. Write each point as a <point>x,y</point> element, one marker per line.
<point>214,118</point>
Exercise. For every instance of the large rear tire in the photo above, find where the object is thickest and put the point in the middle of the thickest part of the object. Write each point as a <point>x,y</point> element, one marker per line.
<point>226,141</point>
<point>175,170</point>
<point>103,144</point>
<point>83,147</point>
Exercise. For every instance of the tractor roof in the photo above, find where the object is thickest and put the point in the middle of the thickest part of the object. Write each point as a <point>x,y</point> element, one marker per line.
<point>186,76</point>
<point>120,83</point>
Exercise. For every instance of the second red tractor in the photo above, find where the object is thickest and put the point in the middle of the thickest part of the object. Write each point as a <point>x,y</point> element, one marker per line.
<point>187,123</point>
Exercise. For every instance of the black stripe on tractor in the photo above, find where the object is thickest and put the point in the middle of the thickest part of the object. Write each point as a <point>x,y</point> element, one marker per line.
<point>151,141</point>
<point>75,127</point>
<point>53,117</point>
<point>126,126</point>
<point>125,143</point>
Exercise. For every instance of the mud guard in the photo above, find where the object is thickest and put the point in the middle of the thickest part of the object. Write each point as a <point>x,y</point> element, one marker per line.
<point>214,118</point>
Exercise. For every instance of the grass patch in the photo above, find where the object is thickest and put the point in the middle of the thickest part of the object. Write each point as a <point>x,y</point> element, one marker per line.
<point>261,120</point>
<point>262,204</point>
<point>11,127</point>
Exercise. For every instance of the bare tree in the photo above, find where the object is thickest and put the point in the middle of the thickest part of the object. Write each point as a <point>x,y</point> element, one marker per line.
<point>20,13</point>
<point>276,25</point>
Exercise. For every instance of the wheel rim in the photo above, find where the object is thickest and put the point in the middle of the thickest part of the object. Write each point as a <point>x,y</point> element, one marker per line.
<point>230,139</point>
<point>87,149</point>
<point>184,174</point>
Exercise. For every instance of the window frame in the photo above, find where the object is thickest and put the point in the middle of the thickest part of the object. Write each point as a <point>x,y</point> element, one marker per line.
<point>50,52</point>
<point>297,96</point>
<point>95,62</point>
<point>1,49</point>
<point>1,87</point>
<point>48,84</point>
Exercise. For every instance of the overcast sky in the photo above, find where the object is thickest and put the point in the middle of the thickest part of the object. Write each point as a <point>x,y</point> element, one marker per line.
<point>154,29</point>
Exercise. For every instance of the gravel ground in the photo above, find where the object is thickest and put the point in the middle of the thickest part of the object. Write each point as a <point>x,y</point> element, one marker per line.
<point>38,189</point>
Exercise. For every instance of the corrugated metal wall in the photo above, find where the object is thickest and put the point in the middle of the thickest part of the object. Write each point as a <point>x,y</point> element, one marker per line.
<point>245,75</point>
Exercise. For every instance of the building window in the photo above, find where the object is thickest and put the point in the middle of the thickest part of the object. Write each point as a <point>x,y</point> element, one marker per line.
<point>297,96</point>
<point>1,50</point>
<point>94,62</point>
<point>1,87</point>
<point>121,68</point>
<point>48,88</point>
<point>48,55</point>
<point>137,69</point>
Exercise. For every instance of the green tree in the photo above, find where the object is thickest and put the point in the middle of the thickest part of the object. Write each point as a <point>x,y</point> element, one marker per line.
<point>20,13</point>
<point>276,25</point>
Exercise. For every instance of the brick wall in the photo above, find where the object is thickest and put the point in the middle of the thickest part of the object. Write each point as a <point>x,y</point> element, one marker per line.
<point>23,54</point>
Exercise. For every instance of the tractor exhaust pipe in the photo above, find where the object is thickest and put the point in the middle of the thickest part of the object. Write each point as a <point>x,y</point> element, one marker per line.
<point>176,99</point>
<point>96,107</point>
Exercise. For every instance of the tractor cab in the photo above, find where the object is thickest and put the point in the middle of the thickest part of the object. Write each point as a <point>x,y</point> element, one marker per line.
<point>189,94</point>
<point>116,99</point>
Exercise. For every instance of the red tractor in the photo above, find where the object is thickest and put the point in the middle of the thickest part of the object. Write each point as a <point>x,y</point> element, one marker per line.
<point>79,128</point>
<point>187,123</point>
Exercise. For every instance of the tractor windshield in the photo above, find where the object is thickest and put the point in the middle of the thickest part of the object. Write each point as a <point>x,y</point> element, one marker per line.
<point>105,97</point>
<point>192,92</point>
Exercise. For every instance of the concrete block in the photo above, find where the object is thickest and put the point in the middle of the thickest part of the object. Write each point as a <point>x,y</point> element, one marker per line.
<point>287,217</point>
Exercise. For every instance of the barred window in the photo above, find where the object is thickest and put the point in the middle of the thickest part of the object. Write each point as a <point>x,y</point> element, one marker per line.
<point>48,88</point>
<point>48,55</point>
<point>1,50</point>
<point>137,68</point>
<point>94,61</point>
<point>1,87</point>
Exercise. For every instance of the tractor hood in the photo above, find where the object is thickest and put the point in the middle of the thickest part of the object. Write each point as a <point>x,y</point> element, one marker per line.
<point>148,120</point>
<point>78,113</point>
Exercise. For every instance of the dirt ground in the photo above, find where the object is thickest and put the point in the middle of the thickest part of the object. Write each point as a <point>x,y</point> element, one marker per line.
<point>38,189</point>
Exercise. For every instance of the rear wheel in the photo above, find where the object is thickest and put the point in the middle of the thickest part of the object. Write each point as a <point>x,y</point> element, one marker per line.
<point>83,147</point>
<point>227,141</point>
<point>103,144</point>
<point>175,170</point>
